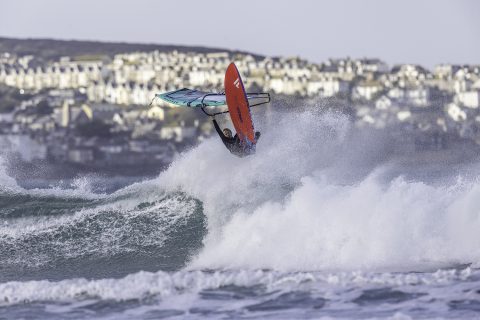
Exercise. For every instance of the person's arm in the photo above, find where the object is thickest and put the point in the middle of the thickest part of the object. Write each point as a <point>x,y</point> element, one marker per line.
<point>219,131</point>
<point>225,139</point>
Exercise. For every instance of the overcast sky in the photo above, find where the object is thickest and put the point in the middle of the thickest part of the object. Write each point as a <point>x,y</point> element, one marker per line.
<point>404,31</point>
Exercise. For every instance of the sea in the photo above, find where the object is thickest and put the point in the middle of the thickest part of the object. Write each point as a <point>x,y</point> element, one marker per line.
<point>323,222</point>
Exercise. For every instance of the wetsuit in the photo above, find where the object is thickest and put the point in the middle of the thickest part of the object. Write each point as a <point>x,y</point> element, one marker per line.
<point>234,145</point>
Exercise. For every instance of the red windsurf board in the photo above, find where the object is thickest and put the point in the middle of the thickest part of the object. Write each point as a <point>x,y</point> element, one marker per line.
<point>238,106</point>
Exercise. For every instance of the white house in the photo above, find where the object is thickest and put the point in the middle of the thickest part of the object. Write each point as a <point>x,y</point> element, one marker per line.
<point>366,90</point>
<point>327,87</point>
<point>418,96</point>
<point>470,99</point>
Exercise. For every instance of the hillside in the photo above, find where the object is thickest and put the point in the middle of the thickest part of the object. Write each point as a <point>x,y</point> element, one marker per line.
<point>49,49</point>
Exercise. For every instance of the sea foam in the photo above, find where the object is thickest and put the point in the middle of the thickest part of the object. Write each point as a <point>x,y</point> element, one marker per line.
<point>320,195</point>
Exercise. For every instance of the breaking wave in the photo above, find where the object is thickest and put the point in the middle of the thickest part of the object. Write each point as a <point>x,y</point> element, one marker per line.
<point>319,195</point>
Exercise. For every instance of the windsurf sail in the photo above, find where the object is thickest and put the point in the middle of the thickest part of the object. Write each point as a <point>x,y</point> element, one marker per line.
<point>193,98</point>
<point>200,99</point>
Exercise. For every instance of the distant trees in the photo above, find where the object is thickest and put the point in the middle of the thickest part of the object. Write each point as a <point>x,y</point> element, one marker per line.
<point>10,98</point>
<point>43,108</point>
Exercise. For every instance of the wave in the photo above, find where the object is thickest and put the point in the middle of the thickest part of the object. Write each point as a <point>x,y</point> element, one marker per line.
<point>145,285</point>
<point>402,226</point>
<point>318,195</point>
<point>57,237</point>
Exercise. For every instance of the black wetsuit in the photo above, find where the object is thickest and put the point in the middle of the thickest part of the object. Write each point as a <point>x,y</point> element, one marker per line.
<point>234,145</point>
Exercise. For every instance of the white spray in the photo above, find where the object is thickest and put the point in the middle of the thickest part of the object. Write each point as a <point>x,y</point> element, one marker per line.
<point>314,197</point>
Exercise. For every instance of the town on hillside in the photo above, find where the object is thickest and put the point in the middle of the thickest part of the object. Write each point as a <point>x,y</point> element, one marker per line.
<point>94,110</point>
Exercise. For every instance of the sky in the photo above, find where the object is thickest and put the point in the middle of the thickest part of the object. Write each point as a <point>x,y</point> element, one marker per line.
<point>426,32</point>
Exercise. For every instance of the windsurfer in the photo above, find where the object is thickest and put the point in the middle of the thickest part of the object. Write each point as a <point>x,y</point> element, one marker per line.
<point>233,143</point>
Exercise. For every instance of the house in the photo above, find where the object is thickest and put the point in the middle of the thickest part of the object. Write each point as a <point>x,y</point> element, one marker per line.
<point>366,90</point>
<point>445,71</point>
<point>327,87</point>
<point>470,99</point>
<point>409,73</point>
<point>412,95</point>
<point>371,66</point>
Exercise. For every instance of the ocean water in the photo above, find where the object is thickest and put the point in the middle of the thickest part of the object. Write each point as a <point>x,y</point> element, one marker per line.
<point>322,223</point>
